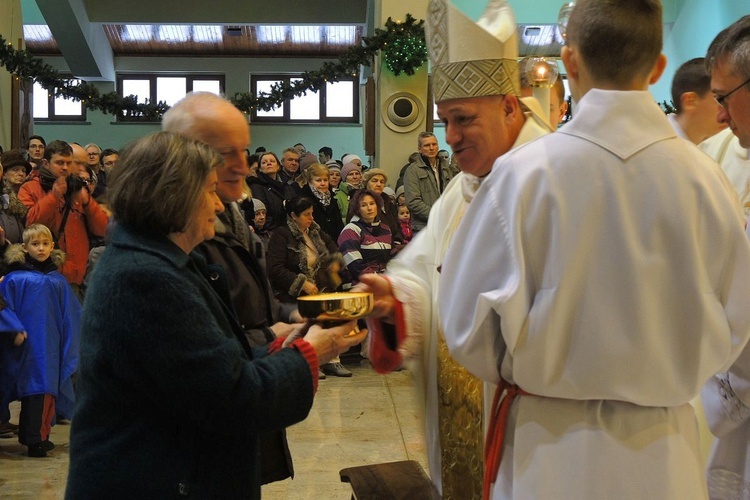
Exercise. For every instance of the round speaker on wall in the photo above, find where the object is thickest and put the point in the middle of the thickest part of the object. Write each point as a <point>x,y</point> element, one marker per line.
<point>403,112</point>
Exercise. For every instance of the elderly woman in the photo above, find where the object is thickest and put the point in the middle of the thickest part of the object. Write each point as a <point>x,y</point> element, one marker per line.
<point>171,398</point>
<point>303,260</point>
<point>271,189</point>
<point>325,208</point>
<point>13,169</point>
<point>334,175</point>
<point>351,180</point>
<point>366,243</point>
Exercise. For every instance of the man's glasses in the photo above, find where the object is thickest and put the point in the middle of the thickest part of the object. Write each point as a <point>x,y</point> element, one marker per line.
<point>722,99</point>
<point>93,154</point>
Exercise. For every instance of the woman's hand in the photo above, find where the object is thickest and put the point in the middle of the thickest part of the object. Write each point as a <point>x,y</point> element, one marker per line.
<point>382,292</point>
<point>309,288</point>
<point>331,342</point>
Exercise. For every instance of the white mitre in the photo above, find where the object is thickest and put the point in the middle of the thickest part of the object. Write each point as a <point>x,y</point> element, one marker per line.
<point>472,59</point>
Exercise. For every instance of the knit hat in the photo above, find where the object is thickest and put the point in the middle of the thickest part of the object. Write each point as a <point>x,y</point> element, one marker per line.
<point>472,59</point>
<point>347,168</point>
<point>258,205</point>
<point>13,158</point>
<point>306,160</point>
<point>350,158</point>
<point>332,165</point>
<point>399,191</point>
<point>373,172</point>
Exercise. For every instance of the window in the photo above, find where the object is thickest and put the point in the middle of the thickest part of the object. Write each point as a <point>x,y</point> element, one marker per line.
<point>47,107</point>
<point>334,102</point>
<point>169,88</point>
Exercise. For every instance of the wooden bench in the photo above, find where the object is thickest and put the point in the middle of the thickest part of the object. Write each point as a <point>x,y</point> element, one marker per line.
<point>390,481</point>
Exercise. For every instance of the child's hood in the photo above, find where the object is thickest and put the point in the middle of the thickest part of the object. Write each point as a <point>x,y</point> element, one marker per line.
<point>15,255</point>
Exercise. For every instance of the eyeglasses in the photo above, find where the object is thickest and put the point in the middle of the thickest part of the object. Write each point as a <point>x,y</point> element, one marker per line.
<point>93,154</point>
<point>722,100</point>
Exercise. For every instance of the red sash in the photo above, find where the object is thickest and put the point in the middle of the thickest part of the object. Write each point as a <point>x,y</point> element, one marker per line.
<point>493,445</point>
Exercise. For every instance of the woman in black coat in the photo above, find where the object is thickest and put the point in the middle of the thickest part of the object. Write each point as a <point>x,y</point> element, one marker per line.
<point>303,260</point>
<point>171,399</point>
<point>325,207</point>
<point>270,188</point>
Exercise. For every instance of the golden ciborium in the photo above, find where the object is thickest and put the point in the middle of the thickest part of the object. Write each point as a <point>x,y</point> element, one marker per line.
<point>331,309</point>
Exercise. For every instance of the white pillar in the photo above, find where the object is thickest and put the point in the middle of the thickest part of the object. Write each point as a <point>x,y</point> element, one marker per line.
<point>11,27</point>
<point>392,148</point>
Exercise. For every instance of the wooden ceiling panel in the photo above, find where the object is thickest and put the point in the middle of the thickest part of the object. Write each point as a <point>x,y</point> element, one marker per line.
<point>213,40</point>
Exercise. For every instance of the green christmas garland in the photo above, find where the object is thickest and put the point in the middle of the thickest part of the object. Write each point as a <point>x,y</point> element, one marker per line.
<point>402,45</point>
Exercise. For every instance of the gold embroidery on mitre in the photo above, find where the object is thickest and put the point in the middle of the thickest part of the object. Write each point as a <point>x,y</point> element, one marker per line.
<point>475,79</point>
<point>460,420</point>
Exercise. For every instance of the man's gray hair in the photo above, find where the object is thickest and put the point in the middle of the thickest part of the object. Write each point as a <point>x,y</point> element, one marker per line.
<point>732,47</point>
<point>423,135</point>
<point>187,115</point>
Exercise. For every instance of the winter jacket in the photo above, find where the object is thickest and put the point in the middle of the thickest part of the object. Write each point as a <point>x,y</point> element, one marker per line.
<point>366,247</point>
<point>273,193</point>
<point>287,261</point>
<point>82,222</point>
<point>39,298</point>
<point>171,398</point>
<point>422,190</point>
<point>328,218</point>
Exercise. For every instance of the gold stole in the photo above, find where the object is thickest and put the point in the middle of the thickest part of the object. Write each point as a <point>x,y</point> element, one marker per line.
<point>460,419</point>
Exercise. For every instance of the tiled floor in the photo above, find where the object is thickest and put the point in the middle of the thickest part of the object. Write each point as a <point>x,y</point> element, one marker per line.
<point>365,419</point>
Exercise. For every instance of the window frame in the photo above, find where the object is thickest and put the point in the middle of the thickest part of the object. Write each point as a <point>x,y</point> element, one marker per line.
<point>152,79</point>
<point>53,117</point>
<point>322,101</point>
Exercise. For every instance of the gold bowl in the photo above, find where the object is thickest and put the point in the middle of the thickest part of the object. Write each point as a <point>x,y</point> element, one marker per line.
<point>343,306</point>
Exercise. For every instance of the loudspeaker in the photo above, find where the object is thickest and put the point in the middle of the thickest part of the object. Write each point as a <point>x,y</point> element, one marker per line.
<point>403,112</point>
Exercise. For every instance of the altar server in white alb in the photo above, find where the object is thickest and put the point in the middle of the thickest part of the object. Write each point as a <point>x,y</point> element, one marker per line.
<point>477,88</point>
<point>605,276</point>
<point>726,397</point>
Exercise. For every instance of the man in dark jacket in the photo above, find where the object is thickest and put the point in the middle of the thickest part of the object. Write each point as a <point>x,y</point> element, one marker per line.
<point>218,123</point>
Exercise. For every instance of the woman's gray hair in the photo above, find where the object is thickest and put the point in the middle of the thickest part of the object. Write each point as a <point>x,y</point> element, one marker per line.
<point>157,180</point>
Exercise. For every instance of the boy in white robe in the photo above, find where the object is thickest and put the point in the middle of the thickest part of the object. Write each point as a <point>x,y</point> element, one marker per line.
<point>605,275</point>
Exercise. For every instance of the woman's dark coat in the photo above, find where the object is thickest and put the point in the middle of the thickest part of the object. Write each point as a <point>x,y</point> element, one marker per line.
<point>328,218</point>
<point>170,397</point>
<point>273,193</point>
<point>287,261</point>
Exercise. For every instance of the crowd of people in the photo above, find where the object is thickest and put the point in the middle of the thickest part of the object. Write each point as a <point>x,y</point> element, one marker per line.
<point>564,308</point>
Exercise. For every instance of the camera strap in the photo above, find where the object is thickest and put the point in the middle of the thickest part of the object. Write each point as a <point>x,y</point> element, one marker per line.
<point>61,229</point>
